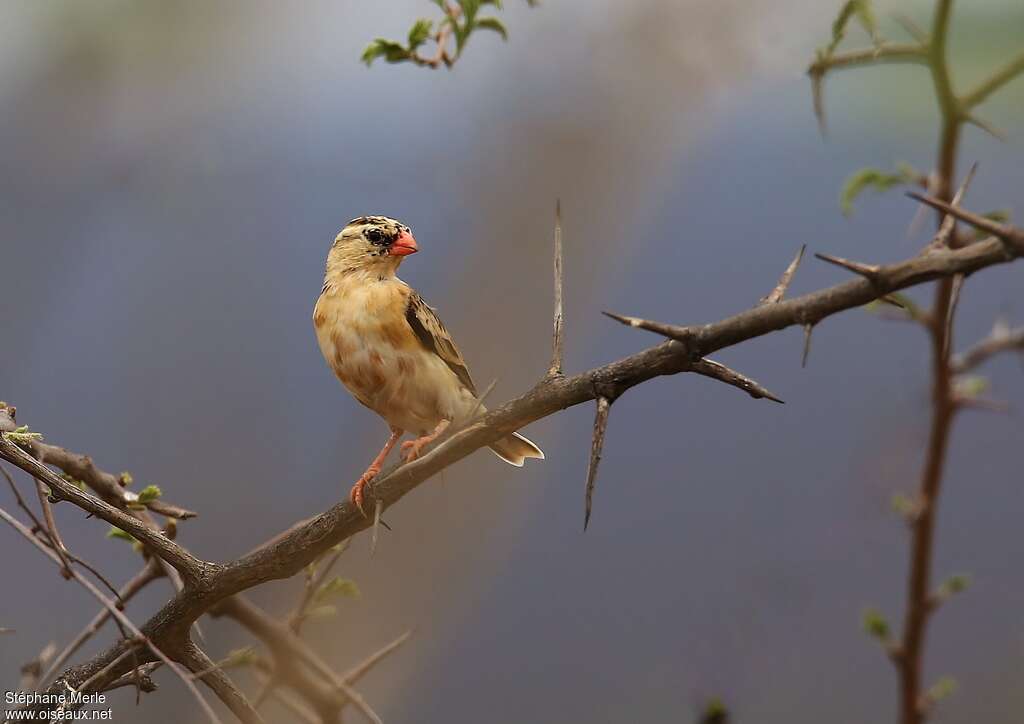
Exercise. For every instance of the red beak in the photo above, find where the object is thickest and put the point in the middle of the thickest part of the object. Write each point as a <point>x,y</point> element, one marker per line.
<point>403,245</point>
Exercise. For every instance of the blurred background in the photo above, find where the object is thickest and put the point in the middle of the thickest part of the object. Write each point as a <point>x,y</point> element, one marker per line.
<point>172,174</point>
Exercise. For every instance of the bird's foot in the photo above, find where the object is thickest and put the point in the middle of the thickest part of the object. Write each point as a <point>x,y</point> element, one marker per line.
<point>358,493</point>
<point>412,449</point>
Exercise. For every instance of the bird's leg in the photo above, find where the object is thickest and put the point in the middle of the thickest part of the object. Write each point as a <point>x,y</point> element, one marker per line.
<point>356,494</point>
<point>411,449</point>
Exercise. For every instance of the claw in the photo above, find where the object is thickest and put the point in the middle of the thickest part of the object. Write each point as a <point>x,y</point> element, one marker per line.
<point>412,449</point>
<point>357,495</point>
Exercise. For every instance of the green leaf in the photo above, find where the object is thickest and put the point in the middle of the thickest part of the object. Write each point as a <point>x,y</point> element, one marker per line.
<point>955,584</point>
<point>867,178</point>
<point>901,301</point>
<point>23,436</point>
<point>866,17</point>
<point>861,9</point>
<point>390,50</point>
<point>902,504</point>
<point>325,611</point>
<point>943,688</point>
<point>469,11</point>
<point>1000,216</point>
<point>245,656</point>
<point>337,586</point>
<point>419,33</point>
<point>118,534</point>
<point>149,493</point>
<point>971,386</point>
<point>875,624</point>
<point>493,24</point>
<point>714,712</point>
<point>461,36</point>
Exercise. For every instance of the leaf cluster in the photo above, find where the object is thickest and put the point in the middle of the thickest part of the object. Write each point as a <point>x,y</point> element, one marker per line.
<point>460,19</point>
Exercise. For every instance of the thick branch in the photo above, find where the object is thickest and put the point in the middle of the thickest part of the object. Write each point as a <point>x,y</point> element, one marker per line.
<point>287,553</point>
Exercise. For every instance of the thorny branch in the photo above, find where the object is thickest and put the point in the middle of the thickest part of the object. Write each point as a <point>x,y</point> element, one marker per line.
<point>931,51</point>
<point>209,584</point>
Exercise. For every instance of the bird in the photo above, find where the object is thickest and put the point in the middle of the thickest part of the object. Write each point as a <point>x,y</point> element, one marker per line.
<point>389,348</point>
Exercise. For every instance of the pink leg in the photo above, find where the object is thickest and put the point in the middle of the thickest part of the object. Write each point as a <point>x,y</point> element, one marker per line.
<point>356,494</point>
<point>411,449</point>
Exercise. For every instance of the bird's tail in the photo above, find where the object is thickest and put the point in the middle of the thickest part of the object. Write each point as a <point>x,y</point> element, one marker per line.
<point>515,448</point>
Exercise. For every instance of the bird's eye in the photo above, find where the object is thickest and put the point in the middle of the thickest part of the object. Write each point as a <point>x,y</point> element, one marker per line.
<point>375,236</point>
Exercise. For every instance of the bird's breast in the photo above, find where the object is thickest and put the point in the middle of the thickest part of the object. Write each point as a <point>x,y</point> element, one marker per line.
<point>365,338</point>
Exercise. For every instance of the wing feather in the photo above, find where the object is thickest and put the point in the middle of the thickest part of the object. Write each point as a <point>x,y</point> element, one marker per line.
<point>431,332</point>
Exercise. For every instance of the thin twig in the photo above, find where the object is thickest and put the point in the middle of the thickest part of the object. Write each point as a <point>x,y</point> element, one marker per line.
<point>879,53</point>
<point>987,127</point>
<point>942,237</point>
<point>313,584</point>
<point>37,525</point>
<point>363,667</point>
<point>219,683</point>
<point>1001,340</point>
<point>913,29</point>
<point>149,573</point>
<point>114,611</point>
<point>188,565</point>
<point>1005,232</point>
<point>882,53</point>
<point>56,541</point>
<point>994,82</point>
<point>287,700</point>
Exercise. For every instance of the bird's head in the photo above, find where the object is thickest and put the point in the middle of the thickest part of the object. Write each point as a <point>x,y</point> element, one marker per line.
<point>375,244</point>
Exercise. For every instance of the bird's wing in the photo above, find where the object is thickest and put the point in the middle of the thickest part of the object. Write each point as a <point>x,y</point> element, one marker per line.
<point>432,334</point>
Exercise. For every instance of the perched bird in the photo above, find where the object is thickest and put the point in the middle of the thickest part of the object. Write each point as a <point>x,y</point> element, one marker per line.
<point>389,348</point>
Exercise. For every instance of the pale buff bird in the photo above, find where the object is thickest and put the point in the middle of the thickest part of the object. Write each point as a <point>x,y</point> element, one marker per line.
<point>389,348</point>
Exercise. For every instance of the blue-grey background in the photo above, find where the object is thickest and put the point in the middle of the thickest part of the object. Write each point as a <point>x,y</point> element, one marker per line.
<point>171,175</point>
